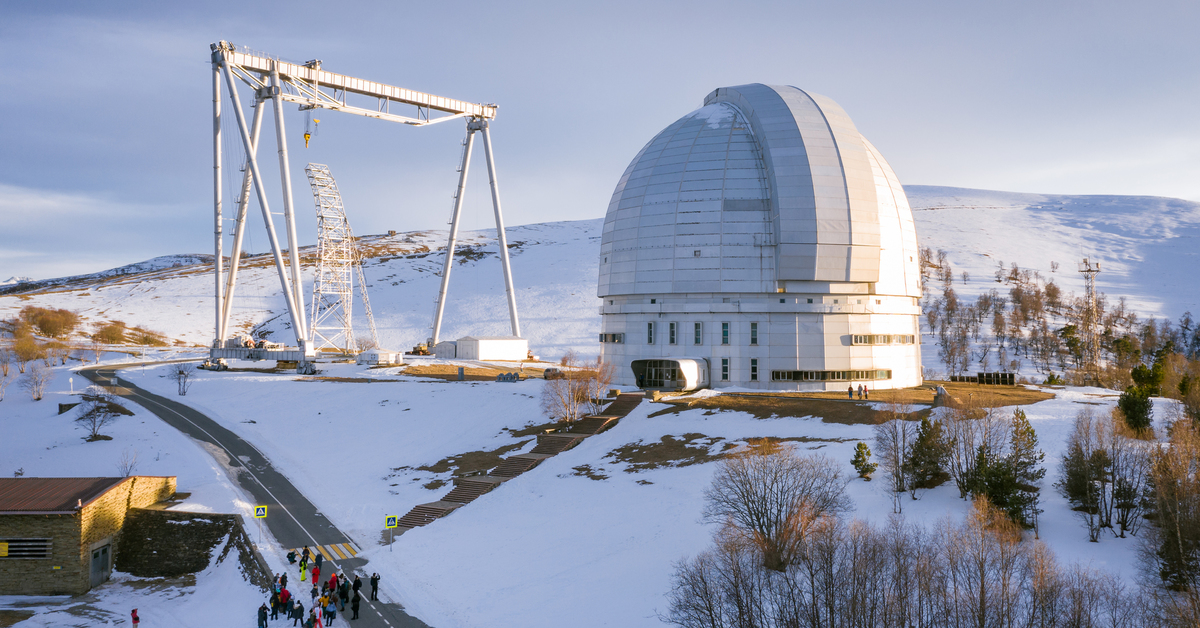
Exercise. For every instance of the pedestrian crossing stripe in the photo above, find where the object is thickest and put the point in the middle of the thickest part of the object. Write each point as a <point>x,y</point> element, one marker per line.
<point>332,551</point>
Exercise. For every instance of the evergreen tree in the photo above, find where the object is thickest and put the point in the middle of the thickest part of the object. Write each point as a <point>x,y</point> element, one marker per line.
<point>1025,460</point>
<point>927,463</point>
<point>862,461</point>
<point>1135,403</point>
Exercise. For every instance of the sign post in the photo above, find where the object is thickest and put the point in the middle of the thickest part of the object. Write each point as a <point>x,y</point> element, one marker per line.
<point>390,523</point>
<point>260,512</point>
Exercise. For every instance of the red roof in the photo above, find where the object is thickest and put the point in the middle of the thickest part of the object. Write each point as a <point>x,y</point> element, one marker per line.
<point>50,495</point>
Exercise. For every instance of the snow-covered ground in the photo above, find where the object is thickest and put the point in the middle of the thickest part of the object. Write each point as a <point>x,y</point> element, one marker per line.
<point>40,442</point>
<point>551,547</point>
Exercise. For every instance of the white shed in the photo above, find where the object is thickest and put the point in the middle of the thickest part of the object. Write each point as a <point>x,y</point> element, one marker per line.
<point>501,348</point>
<point>444,350</point>
<point>379,357</point>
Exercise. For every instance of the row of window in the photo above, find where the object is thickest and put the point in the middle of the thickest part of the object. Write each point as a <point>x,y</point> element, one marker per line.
<point>829,376</point>
<point>674,332</point>
<point>883,339</point>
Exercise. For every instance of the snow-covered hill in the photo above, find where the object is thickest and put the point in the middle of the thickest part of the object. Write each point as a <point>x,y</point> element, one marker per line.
<point>1146,246</point>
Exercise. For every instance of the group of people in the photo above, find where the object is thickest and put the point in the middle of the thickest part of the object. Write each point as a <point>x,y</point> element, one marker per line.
<point>863,392</point>
<point>331,597</point>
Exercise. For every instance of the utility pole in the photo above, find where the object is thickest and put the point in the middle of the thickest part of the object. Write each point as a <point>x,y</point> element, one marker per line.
<point>1091,339</point>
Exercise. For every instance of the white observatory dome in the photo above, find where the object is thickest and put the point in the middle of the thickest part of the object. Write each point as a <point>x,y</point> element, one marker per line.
<point>764,234</point>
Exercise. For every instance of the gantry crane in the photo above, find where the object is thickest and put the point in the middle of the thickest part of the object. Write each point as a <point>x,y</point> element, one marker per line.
<point>272,79</point>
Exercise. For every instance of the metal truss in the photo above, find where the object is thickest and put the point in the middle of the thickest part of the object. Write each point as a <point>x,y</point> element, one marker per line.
<point>337,261</point>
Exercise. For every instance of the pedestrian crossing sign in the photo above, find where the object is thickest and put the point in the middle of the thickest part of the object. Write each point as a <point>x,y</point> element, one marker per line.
<point>391,522</point>
<point>260,512</point>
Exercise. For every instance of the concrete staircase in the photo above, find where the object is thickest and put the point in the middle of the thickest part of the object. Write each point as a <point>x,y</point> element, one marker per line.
<point>468,489</point>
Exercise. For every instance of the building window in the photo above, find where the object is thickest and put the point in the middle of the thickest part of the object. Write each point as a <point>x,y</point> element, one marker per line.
<point>754,369</point>
<point>699,333</point>
<point>649,333</point>
<point>653,301</point>
<point>724,333</point>
<point>878,302</point>
<point>830,376</point>
<point>834,301</point>
<point>783,300</point>
<point>28,548</point>
<point>696,253</point>
<point>810,300</point>
<point>671,332</point>
<point>753,333</point>
<point>724,369</point>
<point>613,338</point>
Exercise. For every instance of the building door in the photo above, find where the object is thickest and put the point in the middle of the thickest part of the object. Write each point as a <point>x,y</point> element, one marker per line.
<point>101,564</point>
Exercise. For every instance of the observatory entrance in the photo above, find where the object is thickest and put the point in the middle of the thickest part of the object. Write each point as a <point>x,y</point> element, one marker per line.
<point>671,374</point>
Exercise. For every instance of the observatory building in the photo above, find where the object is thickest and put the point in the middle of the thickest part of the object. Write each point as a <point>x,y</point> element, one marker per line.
<point>760,241</point>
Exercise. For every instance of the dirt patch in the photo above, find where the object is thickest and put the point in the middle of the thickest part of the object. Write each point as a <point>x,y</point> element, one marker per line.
<point>689,449</point>
<point>469,463</point>
<point>10,618</point>
<point>449,372</point>
<point>772,406</point>
<point>350,380</point>
<point>670,451</point>
<point>587,471</point>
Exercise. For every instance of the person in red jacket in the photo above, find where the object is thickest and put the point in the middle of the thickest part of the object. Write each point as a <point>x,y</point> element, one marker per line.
<point>134,618</point>
<point>333,582</point>
<point>316,574</point>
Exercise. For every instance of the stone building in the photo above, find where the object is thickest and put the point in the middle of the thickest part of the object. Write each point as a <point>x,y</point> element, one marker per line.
<point>760,241</point>
<point>59,535</point>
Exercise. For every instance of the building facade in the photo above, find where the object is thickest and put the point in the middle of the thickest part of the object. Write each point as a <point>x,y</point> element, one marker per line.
<point>764,236</point>
<point>58,536</point>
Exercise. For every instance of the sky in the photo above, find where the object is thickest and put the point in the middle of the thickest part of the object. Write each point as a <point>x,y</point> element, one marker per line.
<point>106,108</point>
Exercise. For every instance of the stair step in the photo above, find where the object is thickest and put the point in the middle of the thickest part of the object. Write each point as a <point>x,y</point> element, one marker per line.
<point>516,465</point>
<point>426,513</point>
<point>556,443</point>
<point>467,492</point>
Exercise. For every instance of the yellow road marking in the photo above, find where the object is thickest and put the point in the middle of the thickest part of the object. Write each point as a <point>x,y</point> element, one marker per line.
<point>337,550</point>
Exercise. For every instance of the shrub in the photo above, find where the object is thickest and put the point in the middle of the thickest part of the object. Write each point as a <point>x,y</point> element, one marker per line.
<point>52,323</point>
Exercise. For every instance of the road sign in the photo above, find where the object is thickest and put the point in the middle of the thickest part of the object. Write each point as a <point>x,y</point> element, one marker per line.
<point>391,522</point>
<point>260,512</point>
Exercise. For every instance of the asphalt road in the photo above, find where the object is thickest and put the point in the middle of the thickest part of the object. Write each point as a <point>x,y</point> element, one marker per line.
<point>292,518</point>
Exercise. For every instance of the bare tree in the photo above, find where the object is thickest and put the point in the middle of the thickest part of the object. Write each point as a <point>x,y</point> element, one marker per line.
<point>599,376</point>
<point>563,398</point>
<point>5,381</point>
<point>37,377</point>
<point>773,497</point>
<point>98,410</point>
<point>894,439</point>
<point>182,374</point>
<point>127,464</point>
<point>97,349</point>
<point>6,358</point>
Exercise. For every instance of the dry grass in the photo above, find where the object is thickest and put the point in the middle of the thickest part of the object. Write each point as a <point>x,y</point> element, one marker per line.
<point>834,407</point>
<point>468,463</point>
<point>449,372</point>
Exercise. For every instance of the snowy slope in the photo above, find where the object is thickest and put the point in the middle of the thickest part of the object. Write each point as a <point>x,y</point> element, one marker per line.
<point>1145,246</point>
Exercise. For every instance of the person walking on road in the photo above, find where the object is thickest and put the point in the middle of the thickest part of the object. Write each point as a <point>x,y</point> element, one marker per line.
<point>357,583</point>
<point>312,619</point>
<point>320,559</point>
<point>375,586</point>
<point>344,593</point>
<point>316,574</point>
<point>262,616</point>
<point>297,613</point>
<point>314,593</point>
<point>354,604</point>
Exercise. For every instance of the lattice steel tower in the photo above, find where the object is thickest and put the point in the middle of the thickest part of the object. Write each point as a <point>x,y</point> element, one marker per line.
<point>337,261</point>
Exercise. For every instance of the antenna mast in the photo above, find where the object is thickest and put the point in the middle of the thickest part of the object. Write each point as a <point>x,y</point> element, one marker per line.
<point>1091,338</point>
